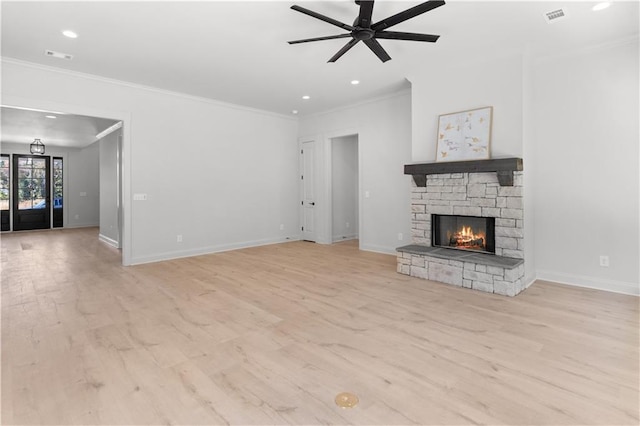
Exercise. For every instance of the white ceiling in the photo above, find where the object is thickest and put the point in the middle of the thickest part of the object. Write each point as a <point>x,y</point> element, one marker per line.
<point>237,51</point>
<point>66,130</point>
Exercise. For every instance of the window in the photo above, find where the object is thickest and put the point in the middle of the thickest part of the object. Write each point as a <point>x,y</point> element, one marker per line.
<point>32,183</point>
<point>4,182</point>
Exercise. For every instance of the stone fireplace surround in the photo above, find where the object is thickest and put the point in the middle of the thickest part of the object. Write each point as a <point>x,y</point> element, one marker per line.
<point>468,194</point>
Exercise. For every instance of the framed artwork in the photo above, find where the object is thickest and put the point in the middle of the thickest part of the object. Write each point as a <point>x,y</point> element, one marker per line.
<point>464,135</point>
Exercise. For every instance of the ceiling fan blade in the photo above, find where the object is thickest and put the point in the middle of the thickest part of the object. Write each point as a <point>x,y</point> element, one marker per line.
<point>394,35</point>
<point>306,40</point>
<point>366,10</point>
<point>407,14</point>
<point>322,17</point>
<point>344,50</point>
<point>376,48</point>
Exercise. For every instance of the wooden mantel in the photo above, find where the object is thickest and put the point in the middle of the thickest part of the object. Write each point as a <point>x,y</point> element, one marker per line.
<point>504,167</point>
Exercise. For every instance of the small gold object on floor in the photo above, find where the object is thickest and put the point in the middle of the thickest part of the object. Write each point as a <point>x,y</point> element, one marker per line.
<point>346,400</point>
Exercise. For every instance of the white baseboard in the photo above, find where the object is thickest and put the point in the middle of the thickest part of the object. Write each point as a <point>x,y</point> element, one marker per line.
<point>338,238</point>
<point>107,240</point>
<point>212,249</point>
<point>529,280</point>
<point>378,249</point>
<point>82,225</point>
<point>590,282</point>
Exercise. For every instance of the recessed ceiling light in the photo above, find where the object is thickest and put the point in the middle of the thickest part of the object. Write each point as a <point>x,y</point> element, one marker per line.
<point>51,116</point>
<point>70,34</point>
<point>355,82</point>
<point>305,97</point>
<point>601,6</point>
<point>295,111</point>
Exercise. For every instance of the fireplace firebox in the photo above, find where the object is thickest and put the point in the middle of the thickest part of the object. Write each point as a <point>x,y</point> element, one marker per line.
<point>464,233</point>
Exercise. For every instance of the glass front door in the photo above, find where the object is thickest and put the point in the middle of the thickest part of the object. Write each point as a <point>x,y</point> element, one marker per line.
<point>31,208</point>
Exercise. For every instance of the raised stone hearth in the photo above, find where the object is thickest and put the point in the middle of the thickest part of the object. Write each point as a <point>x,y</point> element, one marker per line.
<point>468,194</point>
<point>479,271</point>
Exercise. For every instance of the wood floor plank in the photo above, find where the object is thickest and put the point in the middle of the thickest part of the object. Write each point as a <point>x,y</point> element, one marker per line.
<point>270,335</point>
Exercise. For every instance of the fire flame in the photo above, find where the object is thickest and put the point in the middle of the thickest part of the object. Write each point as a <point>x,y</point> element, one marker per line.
<point>466,238</point>
<point>467,232</point>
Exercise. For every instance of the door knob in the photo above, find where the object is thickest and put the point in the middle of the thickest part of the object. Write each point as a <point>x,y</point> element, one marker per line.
<point>312,203</point>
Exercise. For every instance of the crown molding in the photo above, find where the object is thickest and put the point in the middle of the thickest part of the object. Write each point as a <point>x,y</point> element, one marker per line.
<point>94,77</point>
<point>403,92</point>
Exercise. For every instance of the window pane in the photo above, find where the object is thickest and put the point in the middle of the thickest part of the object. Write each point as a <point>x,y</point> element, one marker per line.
<point>4,199</point>
<point>57,183</point>
<point>4,182</point>
<point>39,163</point>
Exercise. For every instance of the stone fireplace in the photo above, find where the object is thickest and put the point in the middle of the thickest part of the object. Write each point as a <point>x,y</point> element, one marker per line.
<point>467,226</point>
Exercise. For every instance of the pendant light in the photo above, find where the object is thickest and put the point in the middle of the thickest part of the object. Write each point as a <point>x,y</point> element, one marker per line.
<point>37,147</point>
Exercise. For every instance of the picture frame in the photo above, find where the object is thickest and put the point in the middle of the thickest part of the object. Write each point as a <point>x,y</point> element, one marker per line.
<point>464,135</point>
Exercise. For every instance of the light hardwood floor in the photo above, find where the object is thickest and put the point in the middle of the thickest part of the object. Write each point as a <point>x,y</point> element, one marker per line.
<point>270,335</point>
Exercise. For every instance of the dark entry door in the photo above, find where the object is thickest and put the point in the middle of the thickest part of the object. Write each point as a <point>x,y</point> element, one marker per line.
<point>31,209</point>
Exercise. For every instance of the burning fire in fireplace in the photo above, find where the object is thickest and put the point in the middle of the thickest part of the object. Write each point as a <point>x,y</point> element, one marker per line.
<point>466,238</point>
<point>464,232</point>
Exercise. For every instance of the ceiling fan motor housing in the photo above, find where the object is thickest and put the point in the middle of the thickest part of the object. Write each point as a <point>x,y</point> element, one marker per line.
<point>362,33</point>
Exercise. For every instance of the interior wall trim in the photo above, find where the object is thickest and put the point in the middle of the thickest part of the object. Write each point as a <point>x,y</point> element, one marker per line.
<point>171,255</point>
<point>78,74</point>
<point>107,240</point>
<point>613,286</point>
<point>397,94</point>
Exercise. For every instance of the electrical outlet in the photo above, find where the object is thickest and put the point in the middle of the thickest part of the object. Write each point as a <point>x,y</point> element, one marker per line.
<point>400,236</point>
<point>77,216</point>
<point>179,238</point>
<point>367,194</point>
<point>282,227</point>
<point>348,224</point>
<point>604,261</point>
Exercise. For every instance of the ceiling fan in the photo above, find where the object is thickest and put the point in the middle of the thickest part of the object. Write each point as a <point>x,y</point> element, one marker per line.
<point>367,32</point>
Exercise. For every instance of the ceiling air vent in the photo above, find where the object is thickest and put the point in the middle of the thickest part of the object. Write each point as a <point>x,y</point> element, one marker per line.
<point>555,16</point>
<point>58,55</point>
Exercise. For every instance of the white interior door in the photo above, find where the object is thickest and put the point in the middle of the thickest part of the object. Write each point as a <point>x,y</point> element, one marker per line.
<point>308,191</point>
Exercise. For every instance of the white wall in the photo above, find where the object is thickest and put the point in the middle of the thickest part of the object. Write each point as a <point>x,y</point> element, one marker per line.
<point>383,127</point>
<point>84,178</point>
<point>587,179</point>
<point>80,175</point>
<point>219,175</point>
<point>109,204</point>
<point>344,188</point>
<point>441,90</point>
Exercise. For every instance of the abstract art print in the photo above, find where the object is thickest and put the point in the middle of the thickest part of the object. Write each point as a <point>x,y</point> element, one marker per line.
<point>464,135</point>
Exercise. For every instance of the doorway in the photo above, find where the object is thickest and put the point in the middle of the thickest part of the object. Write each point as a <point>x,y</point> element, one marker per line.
<point>75,197</point>
<point>344,188</point>
<point>31,192</point>
<point>308,175</point>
